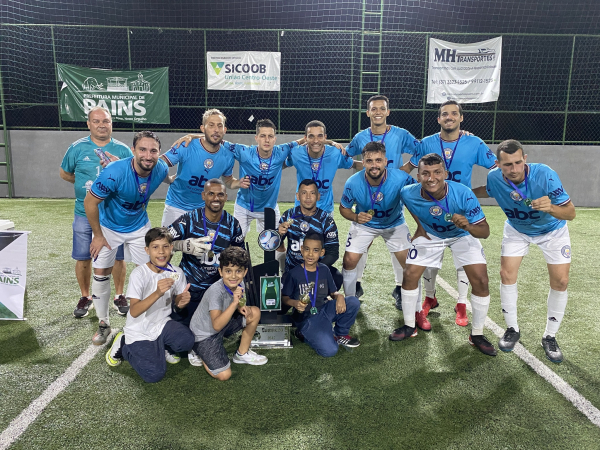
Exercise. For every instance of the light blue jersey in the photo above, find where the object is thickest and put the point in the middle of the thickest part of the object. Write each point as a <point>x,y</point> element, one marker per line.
<point>195,166</point>
<point>460,155</point>
<point>322,170</point>
<point>265,174</point>
<point>541,181</point>
<point>396,140</point>
<point>459,199</point>
<point>124,197</point>
<point>387,203</point>
<point>81,160</point>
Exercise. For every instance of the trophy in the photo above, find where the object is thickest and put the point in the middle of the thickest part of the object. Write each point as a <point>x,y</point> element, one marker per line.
<point>305,298</point>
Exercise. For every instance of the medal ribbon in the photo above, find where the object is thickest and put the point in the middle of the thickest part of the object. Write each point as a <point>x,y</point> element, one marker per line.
<point>315,175</point>
<point>229,290</point>
<point>448,164</point>
<point>313,296</point>
<point>523,197</point>
<point>372,197</point>
<point>164,268</point>
<point>447,208</point>
<point>212,244</point>
<point>384,134</point>
<point>137,179</point>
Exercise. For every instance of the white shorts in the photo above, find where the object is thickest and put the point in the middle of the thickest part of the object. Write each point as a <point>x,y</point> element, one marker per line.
<point>246,217</point>
<point>466,250</point>
<point>556,245</point>
<point>135,247</point>
<point>360,237</point>
<point>170,215</point>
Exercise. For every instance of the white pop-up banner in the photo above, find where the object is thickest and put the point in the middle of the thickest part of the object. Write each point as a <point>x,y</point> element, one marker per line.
<point>466,73</point>
<point>13,274</point>
<point>243,71</point>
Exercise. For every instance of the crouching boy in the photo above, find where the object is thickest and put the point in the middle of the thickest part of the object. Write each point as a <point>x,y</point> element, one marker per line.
<point>221,314</point>
<point>305,288</point>
<point>150,338</point>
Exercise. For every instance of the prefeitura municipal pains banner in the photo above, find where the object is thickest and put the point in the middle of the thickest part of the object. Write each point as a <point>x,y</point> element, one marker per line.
<point>13,274</point>
<point>140,96</point>
<point>243,71</point>
<point>466,73</point>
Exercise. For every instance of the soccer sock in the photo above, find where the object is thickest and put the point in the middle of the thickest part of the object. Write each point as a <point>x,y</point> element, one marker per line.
<point>409,303</point>
<point>557,302</point>
<point>463,285</point>
<point>280,257</point>
<point>508,301</point>
<point>349,281</point>
<point>419,305</point>
<point>101,290</point>
<point>480,307</point>
<point>398,270</point>
<point>429,277</point>
<point>360,267</point>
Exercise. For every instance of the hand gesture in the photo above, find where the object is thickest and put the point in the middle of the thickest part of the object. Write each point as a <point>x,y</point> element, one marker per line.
<point>197,246</point>
<point>542,204</point>
<point>363,217</point>
<point>183,299</point>
<point>460,221</point>
<point>111,157</point>
<point>283,228</point>
<point>98,241</point>
<point>163,285</point>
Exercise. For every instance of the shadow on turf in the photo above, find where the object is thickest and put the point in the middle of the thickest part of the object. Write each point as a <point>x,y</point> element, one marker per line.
<point>17,344</point>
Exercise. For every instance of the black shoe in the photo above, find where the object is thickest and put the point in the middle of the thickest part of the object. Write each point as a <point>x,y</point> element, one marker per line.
<point>298,335</point>
<point>347,341</point>
<point>402,333</point>
<point>83,307</point>
<point>509,340</point>
<point>482,344</point>
<point>121,305</point>
<point>397,294</point>
<point>359,290</point>
<point>552,349</point>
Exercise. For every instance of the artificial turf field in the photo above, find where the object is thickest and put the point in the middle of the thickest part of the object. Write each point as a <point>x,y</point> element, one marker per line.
<point>432,392</point>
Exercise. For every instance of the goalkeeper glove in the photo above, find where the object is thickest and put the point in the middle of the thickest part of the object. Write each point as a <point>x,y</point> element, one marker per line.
<point>195,247</point>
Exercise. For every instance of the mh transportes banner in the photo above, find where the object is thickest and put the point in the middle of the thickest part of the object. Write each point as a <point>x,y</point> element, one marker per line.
<point>243,71</point>
<point>466,73</point>
<point>13,274</point>
<point>139,96</point>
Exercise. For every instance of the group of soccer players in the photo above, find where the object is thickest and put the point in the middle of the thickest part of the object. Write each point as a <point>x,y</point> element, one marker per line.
<point>111,202</point>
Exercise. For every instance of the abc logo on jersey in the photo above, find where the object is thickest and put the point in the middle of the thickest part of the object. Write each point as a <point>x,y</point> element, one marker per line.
<point>269,240</point>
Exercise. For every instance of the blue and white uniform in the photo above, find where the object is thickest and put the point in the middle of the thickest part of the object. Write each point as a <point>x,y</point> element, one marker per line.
<point>396,140</point>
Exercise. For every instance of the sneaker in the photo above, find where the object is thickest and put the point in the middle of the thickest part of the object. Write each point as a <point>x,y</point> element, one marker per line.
<point>402,333</point>
<point>114,356</point>
<point>482,344</point>
<point>171,358</point>
<point>429,303</point>
<point>461,315</point>
<point>421,321</point>
<point>298,335</point>
<point>121,305</point>
<point>347,341</point>
<point>250,357</point>
<point>552,349</point>
<point>359,290</point>
<point>83,307</point>
<point>397,294</point>
<point>102,334</point>
<point>194,359</point>
<point>509,340</point>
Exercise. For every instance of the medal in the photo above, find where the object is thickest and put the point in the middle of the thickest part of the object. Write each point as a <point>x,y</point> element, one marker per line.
<point>374,197</point>
<point>242,301</point>
<point>211,233</point>
<point>305,298</point>
<point>211,254</point>
<point>290,221</point>
<point>142,190</point>
<point>312,289</point>
<point>371,211</point>
<point>313,310</point>
<point>174,276</point>
<point>527,202</point>
<point>447,162</point>
<point>448,217</point>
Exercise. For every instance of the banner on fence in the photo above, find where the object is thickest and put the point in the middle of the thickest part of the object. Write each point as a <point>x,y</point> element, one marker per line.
<point>13,274</point>
<point>466,73</point>
<point>139,96</point>
<point>243,71</point>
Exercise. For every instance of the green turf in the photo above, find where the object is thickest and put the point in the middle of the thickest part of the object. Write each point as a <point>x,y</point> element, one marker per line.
<point>433,392</point>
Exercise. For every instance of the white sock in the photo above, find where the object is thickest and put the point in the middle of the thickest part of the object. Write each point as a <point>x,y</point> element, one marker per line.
<point>398,270</point>
<point>349,282</point>
<point>419,305</point>
<point>101,290</point>
<point>463,285</point>
<point>409,303</point>
<point>360,267</point>
<point>557,302</point>
<point>429,277</point>
<point>480,307</point>
<point>508,301</point>
<point>280,257</point>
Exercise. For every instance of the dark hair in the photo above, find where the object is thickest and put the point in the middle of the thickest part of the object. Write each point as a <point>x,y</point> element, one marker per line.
<point>373,147</point>
<point>215,181</point>
<point>308,182</point>
<point>431,160</point>
<point>509,147</point>
<point>450,102</point>
<point>156,234</point>
<point>145,134</point>
<point>314,123</point>
<point>265,123</point>
<point>314,236</point>
<point>234,256</point>
<point>379,97</point>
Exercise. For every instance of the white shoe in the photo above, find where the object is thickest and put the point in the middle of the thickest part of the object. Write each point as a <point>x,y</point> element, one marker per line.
<point>194,359</point>
<point>171,359</point>
<point>250,357</point>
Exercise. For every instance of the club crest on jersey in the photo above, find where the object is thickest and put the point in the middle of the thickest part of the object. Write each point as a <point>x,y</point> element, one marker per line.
<point>435,210</point>
<point>377,198</point>
<point>448,153</point>
<point>208,164</point>
<point>211,233</point>
<point>314,166</point>
<point>304,226</point>
<point>143,188</point>
<point>263,166</point>
<point>516,196</point>
<point>566,251</point>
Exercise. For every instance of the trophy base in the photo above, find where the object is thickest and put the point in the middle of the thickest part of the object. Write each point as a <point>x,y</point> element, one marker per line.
<point>272,336</point>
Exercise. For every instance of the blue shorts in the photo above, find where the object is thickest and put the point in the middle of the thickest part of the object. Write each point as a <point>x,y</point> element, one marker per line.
<point>82,238</point>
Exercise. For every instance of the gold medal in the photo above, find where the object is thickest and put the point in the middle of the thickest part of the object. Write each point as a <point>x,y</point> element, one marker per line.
<point>290,221</point>
<point>371,211</point>
<point>211,254</point>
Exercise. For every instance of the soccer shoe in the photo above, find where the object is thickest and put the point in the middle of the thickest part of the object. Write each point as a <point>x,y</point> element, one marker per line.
<point>359,290</point>
<point>102,334</point>
<point>421,321</point>
<point>399,334</point>
<point>461,315</point>
<point>254,359</point>
<point>397,294</point>
<point>429,303</point>
<point>171,358</point>
<point>83,307</point>
<point>552,349</point>
<point>298,335</point>
<point>482,344</point>
<point>114,356</point>
<point>120,304</point>
<point>509,340</point>
<point>194,359</point>
<point>347,341</point>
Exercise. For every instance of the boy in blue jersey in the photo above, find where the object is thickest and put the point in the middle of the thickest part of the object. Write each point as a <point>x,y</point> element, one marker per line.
<point>537,208</point>
<point>80,167</point>
<point>116,209</point>
<point>197,162</point>
<point>460,151</point>
<point>450,216</point>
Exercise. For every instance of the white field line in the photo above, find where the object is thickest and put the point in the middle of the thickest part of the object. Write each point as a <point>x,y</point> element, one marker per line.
<point>579,401</point>
<point>18,426</point>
